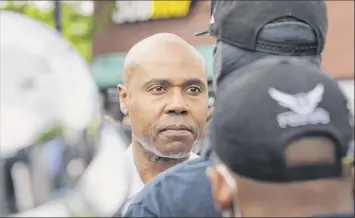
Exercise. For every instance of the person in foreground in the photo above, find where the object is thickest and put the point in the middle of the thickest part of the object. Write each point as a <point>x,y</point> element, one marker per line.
<point>284,35</point>
<point>165,95</point>
<point>294,157</point>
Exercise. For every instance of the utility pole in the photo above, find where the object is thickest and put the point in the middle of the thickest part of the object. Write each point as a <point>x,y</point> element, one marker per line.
<point>57,16</point>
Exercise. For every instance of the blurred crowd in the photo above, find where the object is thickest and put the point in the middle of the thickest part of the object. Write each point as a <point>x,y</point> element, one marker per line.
<point>269,134</point>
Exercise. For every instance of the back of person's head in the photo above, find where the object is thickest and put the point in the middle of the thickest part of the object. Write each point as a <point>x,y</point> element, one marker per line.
<point>308,196</point>
<point>249,30</point>
<point>228,58</point>
<point>283,135</point>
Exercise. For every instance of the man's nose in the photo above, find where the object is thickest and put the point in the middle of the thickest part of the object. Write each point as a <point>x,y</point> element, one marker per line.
<point>177,104</point>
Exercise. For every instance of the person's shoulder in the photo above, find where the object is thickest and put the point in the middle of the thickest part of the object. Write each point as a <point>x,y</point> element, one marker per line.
<point>195,163</point>
<point>155,199</point>
<point>182,170</point>
<point>138,210</point>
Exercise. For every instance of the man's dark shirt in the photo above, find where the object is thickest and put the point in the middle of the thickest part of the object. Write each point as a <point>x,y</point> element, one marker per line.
<point>181,191</point>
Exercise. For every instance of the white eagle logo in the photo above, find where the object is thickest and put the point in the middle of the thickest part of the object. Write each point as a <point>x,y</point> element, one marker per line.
<point>303,107</point>
<point>302,103</point>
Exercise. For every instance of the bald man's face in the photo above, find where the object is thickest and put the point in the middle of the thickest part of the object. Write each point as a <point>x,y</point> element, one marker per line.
<point>167,102</point>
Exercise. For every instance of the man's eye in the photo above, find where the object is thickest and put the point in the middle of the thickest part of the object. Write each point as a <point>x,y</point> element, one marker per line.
<point>193,90</point>
<point>157,89</point>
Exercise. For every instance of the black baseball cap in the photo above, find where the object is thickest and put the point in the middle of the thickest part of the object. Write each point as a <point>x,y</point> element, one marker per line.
<point>281,100</point>
<point>240,22</point>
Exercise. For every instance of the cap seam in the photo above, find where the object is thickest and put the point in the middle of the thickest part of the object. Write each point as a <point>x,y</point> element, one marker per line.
<point>285,46</point>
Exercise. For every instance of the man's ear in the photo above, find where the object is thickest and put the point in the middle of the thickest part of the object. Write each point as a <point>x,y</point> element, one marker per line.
<point>220,190</point>
<point>123,96</point>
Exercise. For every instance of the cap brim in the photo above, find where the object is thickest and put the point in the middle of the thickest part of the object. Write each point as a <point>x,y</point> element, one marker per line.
<point>204,33</point>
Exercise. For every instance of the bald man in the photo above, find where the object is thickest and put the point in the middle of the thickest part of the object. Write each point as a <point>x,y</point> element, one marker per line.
<point>165,95</point>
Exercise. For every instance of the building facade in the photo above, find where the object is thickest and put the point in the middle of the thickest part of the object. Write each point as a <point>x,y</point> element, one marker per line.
<point>114,39</point>
<point>338,55</point>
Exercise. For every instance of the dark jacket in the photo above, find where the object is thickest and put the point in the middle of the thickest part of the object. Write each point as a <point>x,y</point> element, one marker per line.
<point>181,191</point>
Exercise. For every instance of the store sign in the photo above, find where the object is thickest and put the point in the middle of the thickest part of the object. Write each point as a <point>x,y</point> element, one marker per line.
<point>168,9</point>
<point>135,11</point>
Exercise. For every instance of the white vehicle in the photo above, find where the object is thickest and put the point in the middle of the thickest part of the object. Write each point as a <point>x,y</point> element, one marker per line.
<point>57,159</point>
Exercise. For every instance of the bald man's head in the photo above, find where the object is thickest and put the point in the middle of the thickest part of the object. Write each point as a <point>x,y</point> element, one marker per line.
<point>165,86</point>
<point>162,48</point>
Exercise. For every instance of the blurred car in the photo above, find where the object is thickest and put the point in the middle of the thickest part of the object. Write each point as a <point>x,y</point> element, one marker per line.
<point>58,158</point>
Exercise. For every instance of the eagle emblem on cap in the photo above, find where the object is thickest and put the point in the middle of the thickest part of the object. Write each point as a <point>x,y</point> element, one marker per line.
<point>303,106</point>
<point>301,103</point>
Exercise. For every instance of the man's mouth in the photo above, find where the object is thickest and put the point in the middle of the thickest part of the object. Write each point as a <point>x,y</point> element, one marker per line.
<point>177,129</point>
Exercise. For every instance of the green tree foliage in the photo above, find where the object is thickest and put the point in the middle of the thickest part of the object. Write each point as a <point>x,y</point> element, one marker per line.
<point>77,27</point>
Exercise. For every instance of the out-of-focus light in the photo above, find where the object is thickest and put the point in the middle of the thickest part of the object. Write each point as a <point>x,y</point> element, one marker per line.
<point>83,7</point>
<point>86,7</point>
<point>3,4</point>
<point>134,11</point>
<point>43,5</point>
